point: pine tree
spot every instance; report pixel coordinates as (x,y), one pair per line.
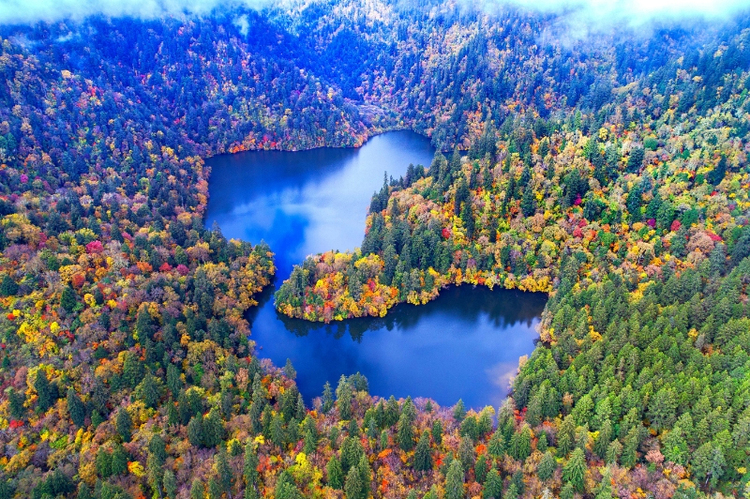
(8,287)
(432,493)
(119,464)
(437,432)
(466,453)
(547,466)
(480,468)
(68,299)
(422,455)
(365,476)
(286,488)
(214,488)
(344,398)
(493,485)
(147,391)
(213,429)
(289,370)
(250,466)
(174,383)
(197,491)
(170,484)
(43,391)
(195,431)
(103,463)
(223,472)
(158,448)
(528,202)
(496,445)
(574,471)
(405,432)
(459,411)
(277,430)
(327,398)
(335,473)
(454,481)
(76,408)
(311,442)
(124,424)
(353,485)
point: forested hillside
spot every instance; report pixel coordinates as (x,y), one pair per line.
(612,174)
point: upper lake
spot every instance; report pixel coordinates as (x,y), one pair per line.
(466,344)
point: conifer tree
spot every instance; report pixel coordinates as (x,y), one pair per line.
(454,481)
(574,470)
(76,408)
(422,455)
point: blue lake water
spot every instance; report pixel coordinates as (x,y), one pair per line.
(466,344)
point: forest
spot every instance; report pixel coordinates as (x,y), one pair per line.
(611,175)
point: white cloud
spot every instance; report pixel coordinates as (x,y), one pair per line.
(631,12)
(592,11)
(30,11)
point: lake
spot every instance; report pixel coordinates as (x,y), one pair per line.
(466,344)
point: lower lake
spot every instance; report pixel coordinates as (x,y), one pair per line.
(466,344)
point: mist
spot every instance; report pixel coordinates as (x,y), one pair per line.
(597,14)
(31,11)
(586,14)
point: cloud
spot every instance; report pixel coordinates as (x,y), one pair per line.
(628,12)
(592,12)
(31,11)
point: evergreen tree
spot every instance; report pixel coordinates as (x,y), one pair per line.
(335,473)
(574,471)
(43,391)
(496,445)
(68,300)
(213,429)
(480,468)
(528,201)
(124,424)
(76,408)
(423,455)
(547,466)
(170,484)
(250,466)
(353,485)
(365,476)
(344,398)
(224,475)
(277,431)
(327,398)
(454,481)
(8,286)
(119,464)
(405,432)
(214,488)
(459,411)
(158,448)
(437,432)
(493,485)
(16,401)
(195,431)
(289,370)
(147,391)
(466,453)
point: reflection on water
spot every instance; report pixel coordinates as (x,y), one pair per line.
(465,344)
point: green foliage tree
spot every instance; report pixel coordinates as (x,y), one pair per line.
(454,481)
(423,454)
(574,471)
(124,424)
(76,408)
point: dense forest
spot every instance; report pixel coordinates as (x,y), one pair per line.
(611,174)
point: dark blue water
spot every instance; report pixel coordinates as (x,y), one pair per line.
(466,344)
